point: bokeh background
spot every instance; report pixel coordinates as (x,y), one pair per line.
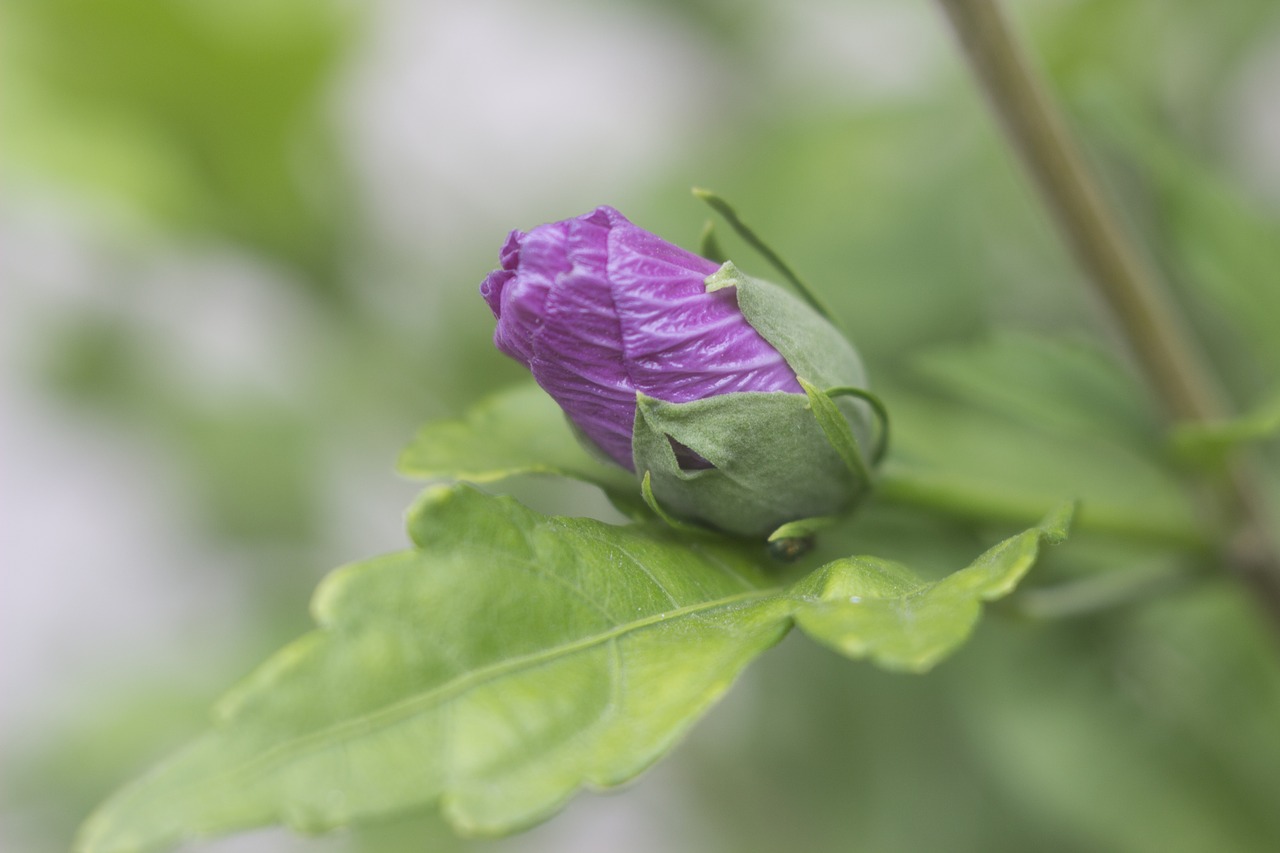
(241,242)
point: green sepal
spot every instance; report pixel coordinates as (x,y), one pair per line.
(772,462)
(836,428)
(646,492)
(811,346)
(881,412)
(709,244)
(722,207)
(793,540)
(803,528)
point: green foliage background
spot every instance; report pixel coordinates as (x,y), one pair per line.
(161,139)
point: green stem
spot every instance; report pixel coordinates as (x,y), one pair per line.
(1137,300)
(1130,289)
(901,488)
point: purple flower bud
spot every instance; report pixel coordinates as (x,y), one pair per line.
(599,310)
(738,405)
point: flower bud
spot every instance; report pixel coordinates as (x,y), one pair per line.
(685,372)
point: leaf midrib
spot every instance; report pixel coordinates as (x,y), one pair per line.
(410,706)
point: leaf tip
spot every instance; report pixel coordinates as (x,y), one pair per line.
(1055,526)
(99,834)
(432,499)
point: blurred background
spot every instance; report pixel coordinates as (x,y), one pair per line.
(241,243)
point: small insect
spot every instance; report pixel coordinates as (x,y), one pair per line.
(790,549)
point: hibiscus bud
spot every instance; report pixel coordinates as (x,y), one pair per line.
(685,372)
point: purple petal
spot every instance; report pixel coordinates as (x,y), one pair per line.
(599,309)
(681,342)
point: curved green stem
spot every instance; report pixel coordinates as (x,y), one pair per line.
(882,415)
(1138,303)
(837,430)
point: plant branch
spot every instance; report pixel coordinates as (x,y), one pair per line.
(899,487)
(1137,300)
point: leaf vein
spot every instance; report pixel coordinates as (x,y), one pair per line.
(444,693)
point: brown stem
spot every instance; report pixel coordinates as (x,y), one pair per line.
(1137,300)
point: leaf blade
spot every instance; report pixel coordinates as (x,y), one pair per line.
(866,607)
(589,658)
(517,431)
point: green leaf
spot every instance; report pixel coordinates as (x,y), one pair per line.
(866,607)
(514,658)
(1067,386)
(1015,423)
(510,660)
(1219,241)
(517,431)
(128,98)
